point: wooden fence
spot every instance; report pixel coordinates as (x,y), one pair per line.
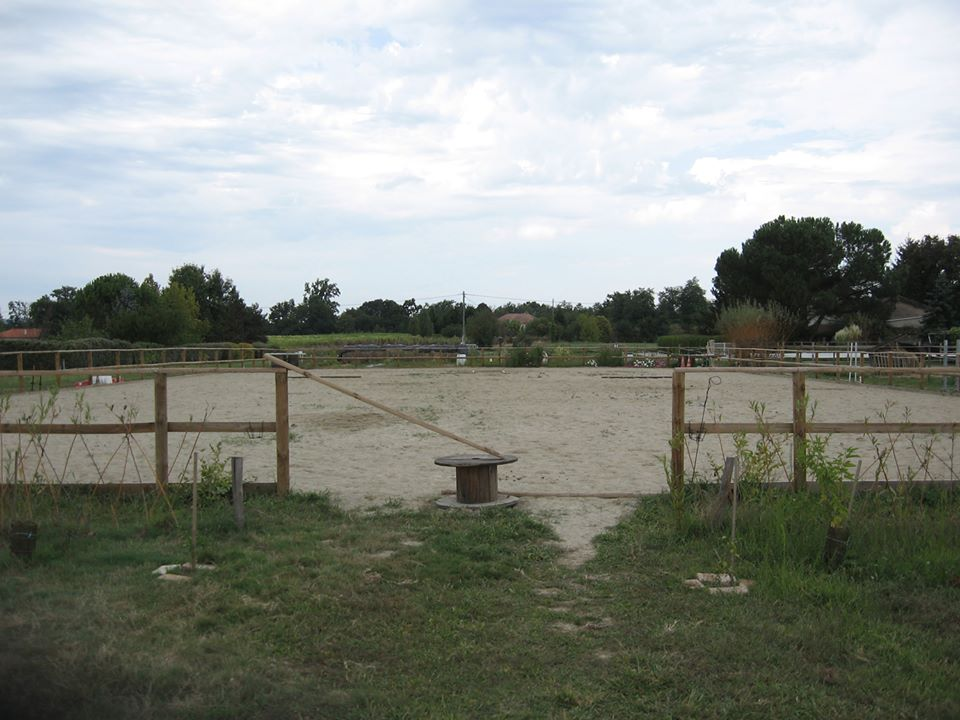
(161,425)
(800,427)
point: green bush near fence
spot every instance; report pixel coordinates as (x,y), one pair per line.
(609,357)
(525,357)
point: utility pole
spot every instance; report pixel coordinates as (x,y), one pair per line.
(553,317)
(463,319)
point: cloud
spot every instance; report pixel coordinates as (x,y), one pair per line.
(389,144)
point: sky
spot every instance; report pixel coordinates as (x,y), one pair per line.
(550,150)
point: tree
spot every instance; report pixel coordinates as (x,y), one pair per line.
(50,314)
(685,309)
(446,318)
(421,324)
(19,314)
(177,317)
(482,326)
(315,314)
(632,315)
(106,296)
(588,329)
(224,314)
(283,317)
(864,287)
(375,316)
(928,271)
(605,328)
(809,266)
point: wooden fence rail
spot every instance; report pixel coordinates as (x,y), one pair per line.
(162,426)
(800,427)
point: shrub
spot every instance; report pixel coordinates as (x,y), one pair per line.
(748,324)
(525,357)
(850,333)
(609,357)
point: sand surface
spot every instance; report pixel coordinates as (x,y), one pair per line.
(586,430)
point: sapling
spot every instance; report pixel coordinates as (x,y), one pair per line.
(831,473)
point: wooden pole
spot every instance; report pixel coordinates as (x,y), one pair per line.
(283,433)
(733,513)
(236,473)
(676,426)
(380,406)
(56,365)
(799,429)
(160,426)
(193,520)
(20,383)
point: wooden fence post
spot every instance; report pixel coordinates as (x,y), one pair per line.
(20,378)
(236,474)
(160,426)
(676,425)
(283,433)
(799,429)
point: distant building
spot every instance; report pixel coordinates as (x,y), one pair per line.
(907,315)
(20,334)
(522,319)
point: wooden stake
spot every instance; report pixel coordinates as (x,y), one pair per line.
(282,438)
(380,406)
(799,429)
(733,513)
(676,425)
(160,427)
(236,472)
(193,529)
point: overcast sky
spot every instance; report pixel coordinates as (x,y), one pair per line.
(543,150)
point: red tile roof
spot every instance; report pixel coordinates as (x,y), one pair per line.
(20,334)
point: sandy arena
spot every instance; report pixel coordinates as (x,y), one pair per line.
(579,430)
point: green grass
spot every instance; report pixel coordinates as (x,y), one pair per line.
(392,613)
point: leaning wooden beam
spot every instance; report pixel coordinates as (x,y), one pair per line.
(380,406)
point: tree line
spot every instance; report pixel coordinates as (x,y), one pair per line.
(811,271)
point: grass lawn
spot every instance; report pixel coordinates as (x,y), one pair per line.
(393,613)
